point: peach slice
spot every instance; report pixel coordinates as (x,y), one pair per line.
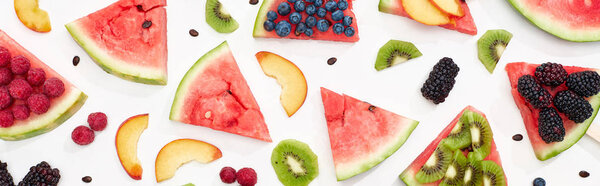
(181,151)
(290,78)
(126,141)
(32,16)
(449,6)
(425,12)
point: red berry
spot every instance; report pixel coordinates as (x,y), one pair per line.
(5,99)
(4,57)
(227,175)
(19,65)
(6,119)
(38,103)
(97,121)
(82,135)
(246,177)
(54,87)
(20,112)
(6,76)
(20,89)
(36,76)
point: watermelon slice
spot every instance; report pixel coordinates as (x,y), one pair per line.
(268,5)
(127,39)
(213,93)
(463,24)
(61,108)
(573,131)
(408,175)
(572,20)
(361,134)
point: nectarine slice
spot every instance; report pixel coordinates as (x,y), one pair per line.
(449,6)
(126,142)
(30,14)
(181,151)
(425,12)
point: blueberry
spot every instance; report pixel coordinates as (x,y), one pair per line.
(283,28)
(269,25)
(318,3)
(321,12)
(331,6)
(308,32)
(338,28)
(311,21)
(300,28)
(310,1)
(292,1)
(338,15)
(349,32)
(323,25)
(295,18)
(271,15)
(299,6)
(342,4)
(311,9)
(539,182)
(347,20)
(284,9)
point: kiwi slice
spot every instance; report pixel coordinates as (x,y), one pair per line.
(218,18)
(491,46)
(481,135)
(456,170)
(472,176)
(294,163)
(435,167)
(395,52)
(460,136)
(492,174)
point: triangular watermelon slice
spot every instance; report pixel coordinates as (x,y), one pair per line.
(127,39)
(573,131)
(213,93)
(361,134)
(463,24)
(408,176)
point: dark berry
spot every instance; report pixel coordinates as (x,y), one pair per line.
(349,32)
(440,81)
(246,177)
(271,15)
(5,57)
(585,83)
(331,6)
(338,28)
(227,175)
(269,26)
(309,32)
(295,18)
(41,174)
(318,3)
(20,89)
(36,77)
(19,65)
(299,6)
(292,1)
(300,28)
(321,12)
(6,76)
(533,92)
(283,28)
(5,98)
(5,177)
(323,25)
(539,182)
(311,10)
(20,112)
(575,107)
(338,15)
(6,118)
(342,4)
(97,121)
(551,74)
(82,135)
(284,9)
(347,21)
(311,21)
(38,103)
(54,87)
(550,125)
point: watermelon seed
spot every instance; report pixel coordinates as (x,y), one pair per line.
(371,108)
(75,60)
(229,91)
(253,2)
(517,137)
(86,179)
(584,174)
(331,61)
(207,114)
(193,33)
(139,8)
(147,24)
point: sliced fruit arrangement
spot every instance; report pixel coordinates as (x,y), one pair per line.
(442,13)
(218,18)
(331,20)
(570,20)
(361,135)
(213,93)
(289,76)
(491,46)
(127,39)
(30,14)
(181,151)
(126,142)
(441,80)
(295,163)
(395,52)
(35,99)
(443,162)
(558,103)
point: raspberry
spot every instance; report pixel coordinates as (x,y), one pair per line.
(440,81)
(36,77)
(97,121)
(550,125)
(5,99)
(227,175)
(41,174)
(38,103)
(20,89)
(551,74)
(53,87)
(6,119)
(4,57)
(19,65)
(20,112)
(82,135)
(533,92)
(584,83)
(6,76)
(246,177)
(575,107)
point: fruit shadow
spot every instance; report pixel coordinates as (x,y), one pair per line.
(9,146)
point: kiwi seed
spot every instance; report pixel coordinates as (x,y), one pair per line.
(435,167)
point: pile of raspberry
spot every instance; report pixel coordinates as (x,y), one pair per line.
(24,89)
(245,176)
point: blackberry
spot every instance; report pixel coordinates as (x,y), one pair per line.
(41,174)
(533,92)
(440,81)
(550,125)
(575,107)
(551,74)
(584,83)
(5,177)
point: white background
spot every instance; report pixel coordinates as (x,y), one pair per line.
(395,89)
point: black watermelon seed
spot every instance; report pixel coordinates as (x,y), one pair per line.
(86,179)
(229,91)
(147,24)
(253,2)
(517,137)
(75,60)
(331,61)
(371,108)
(139,8)
(584,174)
(193,33)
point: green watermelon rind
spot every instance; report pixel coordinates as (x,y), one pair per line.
(554,27)
(114,66)
(259,30)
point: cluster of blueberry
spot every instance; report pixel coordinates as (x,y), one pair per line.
(311,7)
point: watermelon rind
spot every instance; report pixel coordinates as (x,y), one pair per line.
(555,27)
(259,30)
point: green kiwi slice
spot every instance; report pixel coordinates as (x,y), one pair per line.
(435,167)
(460,136)
(395,52)
(481,135)
(218,18)
(456,170)
(472,176)
(491,46)
(294,163)
(492,174)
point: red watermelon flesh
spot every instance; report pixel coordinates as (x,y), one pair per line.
(268,5)
(408,175)
(573,131)
(361,134)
